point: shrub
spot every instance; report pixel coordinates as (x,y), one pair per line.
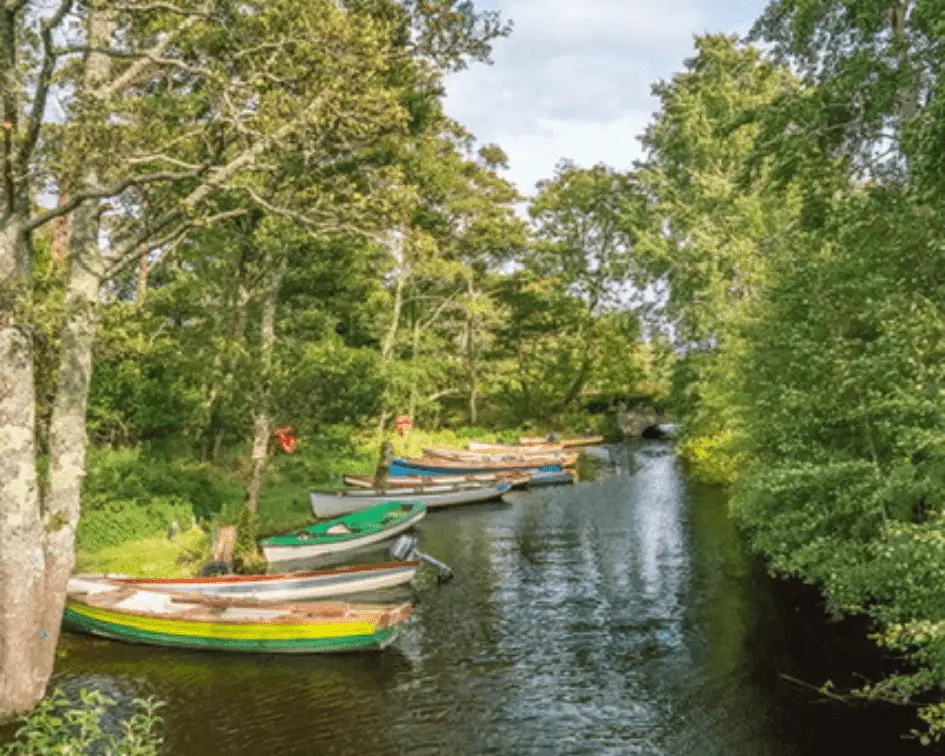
(69,728)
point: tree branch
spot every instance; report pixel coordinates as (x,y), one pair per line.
(35,121)
(103,192)
(131,249)
(159,6)
(162,158)
(142,64)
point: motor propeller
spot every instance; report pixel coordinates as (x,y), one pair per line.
(405,549)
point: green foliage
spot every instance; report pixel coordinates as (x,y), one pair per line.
(798,227)
(83,728)
(131,494)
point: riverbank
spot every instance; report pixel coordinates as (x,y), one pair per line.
(134,494)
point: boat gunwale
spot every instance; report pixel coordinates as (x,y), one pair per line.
(286,576)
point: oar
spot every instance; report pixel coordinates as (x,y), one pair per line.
(405,549)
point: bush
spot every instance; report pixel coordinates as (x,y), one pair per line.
(131,494)
(69,728)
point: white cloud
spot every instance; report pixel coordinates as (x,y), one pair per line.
(573,80)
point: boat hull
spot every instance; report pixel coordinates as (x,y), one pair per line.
(327,505)
(300,586)
(117,611)
(551,478)
(565,459)
(567,442)
(426,480)
(532,450)
(302,550)
(289,639)
(448,467)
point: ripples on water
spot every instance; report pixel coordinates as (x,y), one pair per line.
(615,617)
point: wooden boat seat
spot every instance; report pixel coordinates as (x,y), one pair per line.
(339,529)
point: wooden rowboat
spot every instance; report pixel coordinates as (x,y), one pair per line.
(433,464)
(482,446)
(566,442)
(181,620)
(291,586)
(335,503)
(565,459)
(348,533)
(432,480)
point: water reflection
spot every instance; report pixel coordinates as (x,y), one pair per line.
(615,617)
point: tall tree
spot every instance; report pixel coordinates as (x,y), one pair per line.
(168,105)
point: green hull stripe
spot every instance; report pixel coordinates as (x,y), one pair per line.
(75,621)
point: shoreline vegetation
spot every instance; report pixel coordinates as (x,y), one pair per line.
(125,482)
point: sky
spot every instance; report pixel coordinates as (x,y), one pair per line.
(573,79)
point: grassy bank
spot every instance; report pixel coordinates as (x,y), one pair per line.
(132,495)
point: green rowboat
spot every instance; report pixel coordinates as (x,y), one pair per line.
(179,620)
(353,531)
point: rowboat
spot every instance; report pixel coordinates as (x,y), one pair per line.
(566,442)
(292,586)
(432,464)
(482,446)
(428,480)
(181,620)
(550,478)
(353,531)
(334,503)
(565,459)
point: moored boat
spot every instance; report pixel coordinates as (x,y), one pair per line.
(335,503)
(551,478)
(435,465)
(424,481)
(565,442)
(565,459)
(482,446)
(291,586)
(353,531)
(182,620)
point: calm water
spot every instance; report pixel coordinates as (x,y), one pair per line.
(615,617)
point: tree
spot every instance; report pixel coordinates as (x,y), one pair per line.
(167,106)
(586,222)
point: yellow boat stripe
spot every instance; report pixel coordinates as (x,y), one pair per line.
(233,630)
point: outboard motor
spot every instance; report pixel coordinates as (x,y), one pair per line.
(405,549)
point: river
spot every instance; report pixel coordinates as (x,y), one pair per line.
(621,616)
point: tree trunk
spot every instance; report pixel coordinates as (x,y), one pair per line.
(471,359)
(397,252)
(218,422)
(143,269)
(387,350)
(415,350)
(67,428)
(910,90)
(261,424)
(24,642)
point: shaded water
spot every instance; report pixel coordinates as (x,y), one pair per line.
(616,617)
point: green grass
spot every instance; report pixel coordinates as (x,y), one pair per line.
(150,557)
